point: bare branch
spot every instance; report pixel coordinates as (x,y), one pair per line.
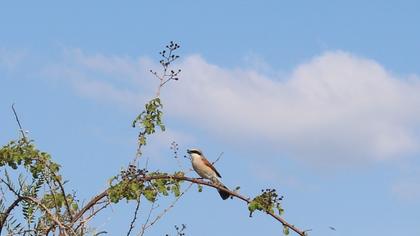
(218,158)
(168,208)
(143,227)
(7,212)
(89,205)
(134,218)
(7,182)
(63,192)
(17,120)
(84,221)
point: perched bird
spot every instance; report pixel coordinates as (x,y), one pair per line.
(206,170)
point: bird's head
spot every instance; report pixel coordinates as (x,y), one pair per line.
(194,152)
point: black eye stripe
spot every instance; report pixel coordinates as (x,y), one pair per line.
(195,151)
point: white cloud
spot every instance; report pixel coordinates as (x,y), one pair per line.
(334,109)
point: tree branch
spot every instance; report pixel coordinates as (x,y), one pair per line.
(63,192)
(192,180)
(134,218)
(7,212)
(84,221)
(53,218)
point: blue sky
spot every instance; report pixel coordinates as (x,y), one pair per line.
(319,100)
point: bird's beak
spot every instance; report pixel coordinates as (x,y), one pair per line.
(188,151)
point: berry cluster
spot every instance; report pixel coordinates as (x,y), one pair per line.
(269,199)
(132,172)
(175,149)
(179,230)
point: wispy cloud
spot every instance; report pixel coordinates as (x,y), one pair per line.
(110,79)
(9,59)
(334,109)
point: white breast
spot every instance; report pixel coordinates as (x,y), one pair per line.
(201,169)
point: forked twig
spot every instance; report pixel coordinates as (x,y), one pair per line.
(218,158)
(158,217)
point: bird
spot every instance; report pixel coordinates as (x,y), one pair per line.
(206,170)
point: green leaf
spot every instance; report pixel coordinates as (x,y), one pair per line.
(150,194)
(142,140)
(175,189)
(74,206)
(162,127)
(253,206)
(279,208)
(286,230)
(160,184)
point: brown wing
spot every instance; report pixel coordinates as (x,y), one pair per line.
(207,163)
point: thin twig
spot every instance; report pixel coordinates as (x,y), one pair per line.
(64,194)
(84,221)
(143,227)
(94,201)
(165,77)
(134,218)
(220,155)
(146,165)
(17,120)
(138,151)
(52,190)
(7,212)
(158,217)
(9,186)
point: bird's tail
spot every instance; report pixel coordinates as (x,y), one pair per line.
(223,194)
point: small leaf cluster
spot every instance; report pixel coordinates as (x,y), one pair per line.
(267,201)
(131,185)
(57,201)
(23,152)
(149,119)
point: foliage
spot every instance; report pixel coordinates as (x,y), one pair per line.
(151,116)
(23,152)
(43,193)
(267,201)
(130,185)
(149,119)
